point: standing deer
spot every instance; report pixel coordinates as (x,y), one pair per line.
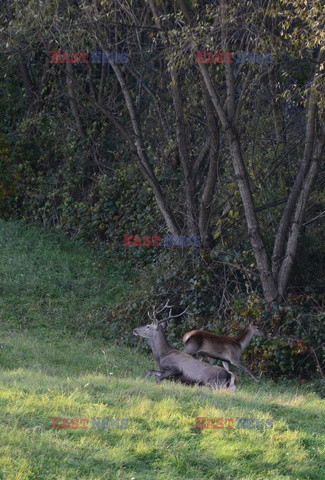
(228,349)
(178,365)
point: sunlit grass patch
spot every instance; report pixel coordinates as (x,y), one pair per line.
(47,370)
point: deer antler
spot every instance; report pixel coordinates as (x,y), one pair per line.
(173,316)
(153,317)
(156,312)
(160,309)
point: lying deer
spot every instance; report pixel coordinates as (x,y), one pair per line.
(178,365)
(228,349)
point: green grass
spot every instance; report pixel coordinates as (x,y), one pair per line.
(50,282)
(47,284)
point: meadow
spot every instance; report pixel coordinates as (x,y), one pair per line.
(51,368)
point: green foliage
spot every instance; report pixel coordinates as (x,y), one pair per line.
(8,179)
(294,346)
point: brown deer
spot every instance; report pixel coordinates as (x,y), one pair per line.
(228,349)
(178,365)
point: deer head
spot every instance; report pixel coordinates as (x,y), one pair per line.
(256,330)
(150,330)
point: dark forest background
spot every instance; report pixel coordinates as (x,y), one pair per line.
(232,152)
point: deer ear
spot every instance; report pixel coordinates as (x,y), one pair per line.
(162,325)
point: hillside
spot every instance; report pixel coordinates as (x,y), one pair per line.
(49,371)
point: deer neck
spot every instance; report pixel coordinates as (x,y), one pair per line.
(160,346)
(244,338)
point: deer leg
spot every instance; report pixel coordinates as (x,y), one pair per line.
(152,372)
(239,365)
(199,356)
(225,366)
(190,349)
(202,356)
(168,373)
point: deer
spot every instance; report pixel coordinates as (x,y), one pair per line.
(228,349)
(178,365)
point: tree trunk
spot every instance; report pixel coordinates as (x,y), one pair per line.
(262,260)
(298,217)
(144,161)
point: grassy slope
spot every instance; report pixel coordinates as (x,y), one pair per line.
(48,282)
